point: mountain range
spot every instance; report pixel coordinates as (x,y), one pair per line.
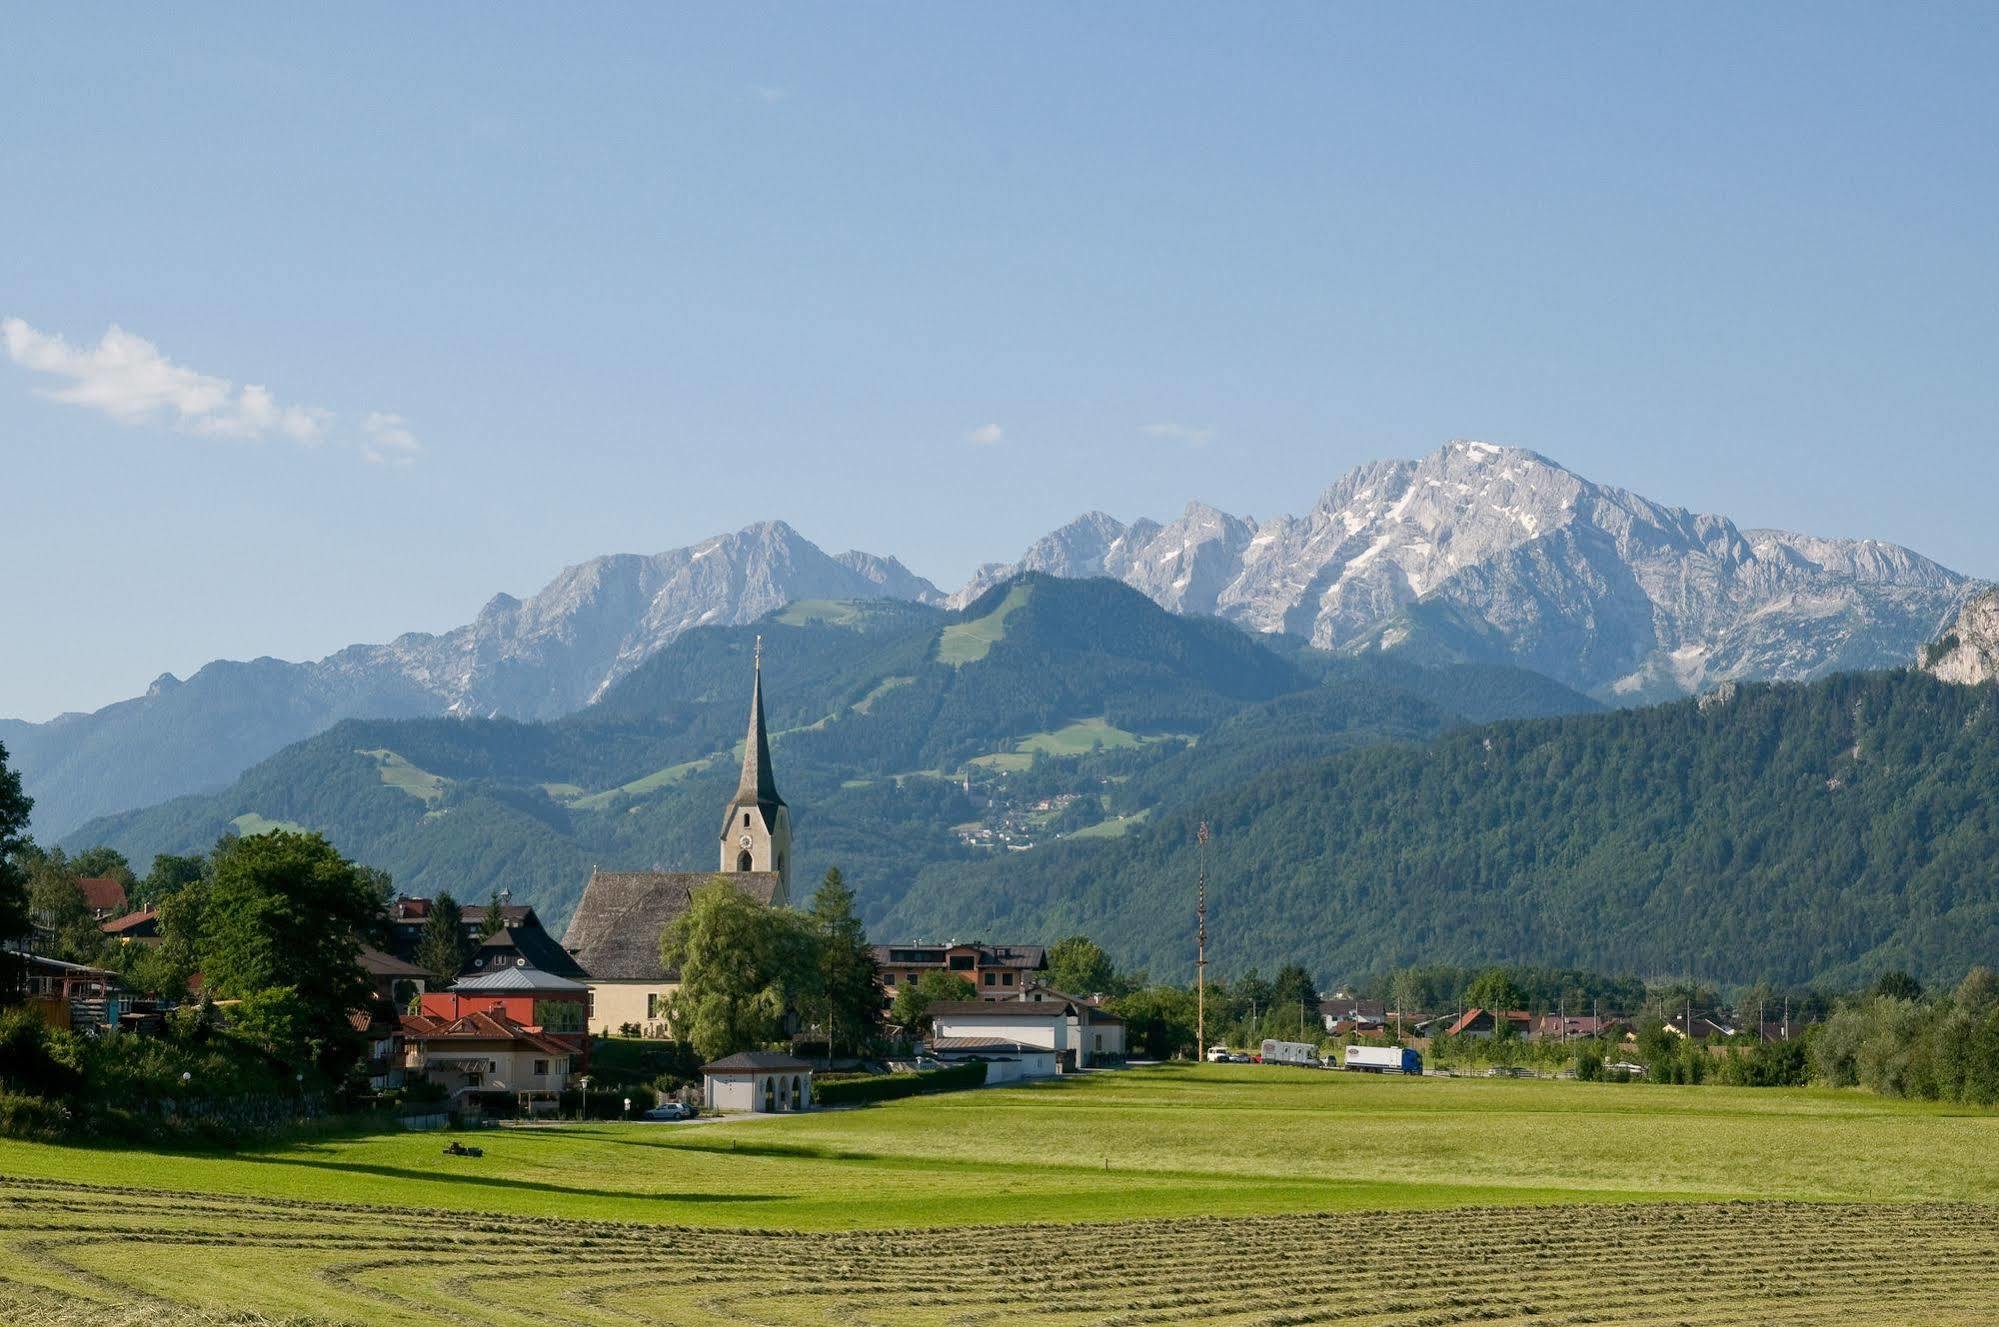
(1475,553)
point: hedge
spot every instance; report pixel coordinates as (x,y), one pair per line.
(889,1087)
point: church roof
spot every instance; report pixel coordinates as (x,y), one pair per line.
(615,932)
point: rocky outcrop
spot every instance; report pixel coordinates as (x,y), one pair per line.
(1967,653)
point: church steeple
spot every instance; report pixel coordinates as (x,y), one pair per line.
(758,784)
(756,828)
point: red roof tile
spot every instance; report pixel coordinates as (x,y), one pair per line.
(102,894)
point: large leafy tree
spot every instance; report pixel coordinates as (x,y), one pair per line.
(742,968)
(285,911)
(169,875)
(1160,1021)
(443,949)
(63,923)
(1079,966)
(14,808)
(912,1003)
(850,988)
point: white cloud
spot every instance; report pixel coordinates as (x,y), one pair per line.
(986,435)
(769,96)
(1193,437)
(389,440)
(127,378)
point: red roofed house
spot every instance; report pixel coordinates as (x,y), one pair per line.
(482,1053)
(104,897)
(1483,1022)
(134,928)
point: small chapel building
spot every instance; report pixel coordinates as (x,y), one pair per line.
(614,934)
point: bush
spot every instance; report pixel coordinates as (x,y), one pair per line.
(890,1087)
(33,1118)
(36,1060)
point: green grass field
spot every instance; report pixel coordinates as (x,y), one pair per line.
(1198,1176)
(968,642)
(250,824)
(397,772)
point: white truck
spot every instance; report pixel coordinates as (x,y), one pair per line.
(1382,1060)
(1290,1052)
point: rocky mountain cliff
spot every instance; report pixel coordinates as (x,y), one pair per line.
(1496,553)
(536,658)
(1968,653)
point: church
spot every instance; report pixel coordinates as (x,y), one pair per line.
(615,932)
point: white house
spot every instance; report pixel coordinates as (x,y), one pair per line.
(763,1081)
(1006,1061)
(1045,1024)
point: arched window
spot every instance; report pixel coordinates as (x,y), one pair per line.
(797,1094)
(770,1096)
(743,860)
(746,820)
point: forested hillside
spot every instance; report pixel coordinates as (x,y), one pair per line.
(1082,695)
(1793,831)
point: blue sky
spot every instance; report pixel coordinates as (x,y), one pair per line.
(522,287)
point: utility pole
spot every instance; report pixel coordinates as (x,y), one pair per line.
(1201,948)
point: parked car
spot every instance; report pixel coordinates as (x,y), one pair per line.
(1219,1055)
(670,1110)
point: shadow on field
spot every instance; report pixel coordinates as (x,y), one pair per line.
(500,1182)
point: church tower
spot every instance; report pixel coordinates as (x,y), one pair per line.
(756,830)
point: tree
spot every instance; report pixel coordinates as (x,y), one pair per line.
(742,968)
(912,1003)
(495,920)
(850,987)
(442,950)
(104,861)
(64,926)
(1496,990)
(14,808)
(1079,966)
(1159,1022)
(169,875)
(286,910)
(1897,986)
(1295,992)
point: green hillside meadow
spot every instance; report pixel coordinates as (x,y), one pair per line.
(1219,1194)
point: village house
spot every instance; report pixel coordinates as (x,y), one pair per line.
(104,896)
(484,1053)
(1006,1061)
(408,918)
(1483,1023)
(615,933)
(766,1082)
(1078,1034)
(997,972)
(74,995)
(543,1003)
(134,928)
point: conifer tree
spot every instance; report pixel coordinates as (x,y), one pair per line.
(442,951)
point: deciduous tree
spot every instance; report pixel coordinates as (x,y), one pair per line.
(1079,966)
(742,968)
(286,910)
(912,1003)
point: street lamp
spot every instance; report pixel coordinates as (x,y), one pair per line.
(583,1102)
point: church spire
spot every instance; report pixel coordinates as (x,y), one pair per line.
(758,785)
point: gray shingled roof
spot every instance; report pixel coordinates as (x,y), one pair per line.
(615,932)
(515,979)
(743,1062)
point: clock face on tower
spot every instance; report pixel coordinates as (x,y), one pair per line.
(746,841)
